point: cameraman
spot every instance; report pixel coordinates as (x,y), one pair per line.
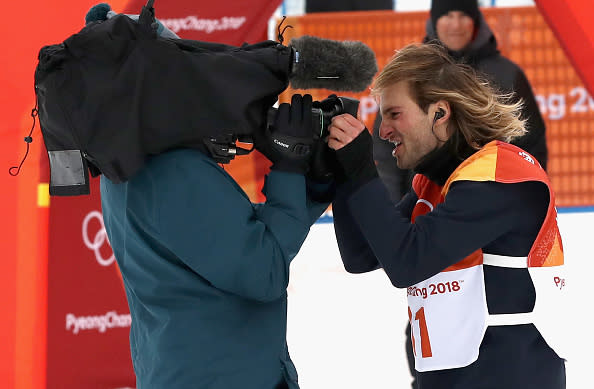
(205,270)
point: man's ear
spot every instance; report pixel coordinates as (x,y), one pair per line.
(439,114)
(442,111)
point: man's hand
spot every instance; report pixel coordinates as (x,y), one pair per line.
(343,129)
(354,149)
(288,143)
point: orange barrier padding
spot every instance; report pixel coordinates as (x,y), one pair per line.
(525,38)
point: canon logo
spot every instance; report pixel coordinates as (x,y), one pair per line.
(96,242)
(278,142)
(193,23)
(100,323)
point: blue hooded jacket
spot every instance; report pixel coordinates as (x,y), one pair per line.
(206,271)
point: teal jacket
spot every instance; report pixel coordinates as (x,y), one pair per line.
(206,271)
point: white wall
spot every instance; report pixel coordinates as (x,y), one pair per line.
(347,331)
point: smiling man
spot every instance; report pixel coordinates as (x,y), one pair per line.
(403,123)
(471,240)
(460,27)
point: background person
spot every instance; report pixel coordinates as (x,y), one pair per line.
(467,239)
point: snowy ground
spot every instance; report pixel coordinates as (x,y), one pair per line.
(347,331)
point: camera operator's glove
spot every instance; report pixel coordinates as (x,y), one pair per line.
(356,160)
(288,143)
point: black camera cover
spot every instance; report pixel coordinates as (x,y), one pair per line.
(115,93)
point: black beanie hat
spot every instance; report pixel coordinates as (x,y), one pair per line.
(442,7)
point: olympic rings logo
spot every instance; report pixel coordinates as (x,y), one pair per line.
(98,240)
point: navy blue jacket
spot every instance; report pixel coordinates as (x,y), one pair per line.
(206,271)
(501,219)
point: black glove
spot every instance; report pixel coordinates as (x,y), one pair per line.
(288,143)
(323,159)
(356,160)
(321,184)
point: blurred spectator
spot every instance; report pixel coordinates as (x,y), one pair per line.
(460,26)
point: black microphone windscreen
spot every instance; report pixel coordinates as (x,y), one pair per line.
(335,65)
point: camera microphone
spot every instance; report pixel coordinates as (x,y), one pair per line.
(347,66)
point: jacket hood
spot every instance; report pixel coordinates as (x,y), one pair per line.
(483,45)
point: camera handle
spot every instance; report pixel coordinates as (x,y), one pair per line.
(323,161)
(223,148)
(350,105)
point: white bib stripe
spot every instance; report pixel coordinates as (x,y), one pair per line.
(505,261)
(510,319)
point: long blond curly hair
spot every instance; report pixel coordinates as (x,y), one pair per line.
(478,111)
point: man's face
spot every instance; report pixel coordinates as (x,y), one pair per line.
(455,30)
(406,125)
